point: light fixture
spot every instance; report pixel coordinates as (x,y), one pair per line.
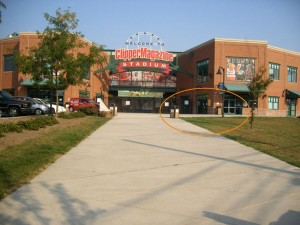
(222,85)
(219,70)
(284,92)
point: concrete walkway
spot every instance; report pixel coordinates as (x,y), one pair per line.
(135,170)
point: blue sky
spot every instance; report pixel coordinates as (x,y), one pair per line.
(181,24)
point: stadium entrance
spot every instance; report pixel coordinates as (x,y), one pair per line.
(141,75)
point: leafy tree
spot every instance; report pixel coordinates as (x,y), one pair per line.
(257,87)
(58,58)
(2,5)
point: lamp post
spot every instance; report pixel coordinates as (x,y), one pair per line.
(222,86)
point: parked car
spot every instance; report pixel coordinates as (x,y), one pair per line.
(13,107)
(53,110)
(37,108)
(81,102)
(60,108)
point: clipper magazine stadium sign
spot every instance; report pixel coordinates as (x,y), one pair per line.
(144,50)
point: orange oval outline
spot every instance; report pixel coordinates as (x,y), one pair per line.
(190,132)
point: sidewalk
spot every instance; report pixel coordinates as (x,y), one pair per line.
(135,170)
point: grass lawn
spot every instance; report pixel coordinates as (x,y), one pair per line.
(20,163)
(279,137)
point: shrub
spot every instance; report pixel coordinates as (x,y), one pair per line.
(40,122)
(72,115)
(33,124)
(88,110)
(10,127)
(28,125)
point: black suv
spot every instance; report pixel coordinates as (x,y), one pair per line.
(13,107)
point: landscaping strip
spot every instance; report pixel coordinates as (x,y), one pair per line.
(20,163)
(278,137)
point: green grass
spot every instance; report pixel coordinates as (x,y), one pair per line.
(20,163)
(279,137)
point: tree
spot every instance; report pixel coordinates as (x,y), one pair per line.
(2,5)
(257,87)
(58,58)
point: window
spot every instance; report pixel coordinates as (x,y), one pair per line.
(9,63)
(273,103)
(292,74)
(202,71)
(274,71)
(86,71)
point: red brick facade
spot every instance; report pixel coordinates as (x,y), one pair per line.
(218,52)
(12,80)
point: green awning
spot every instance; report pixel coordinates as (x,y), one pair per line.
(237,88)
(30,82)
(293,94)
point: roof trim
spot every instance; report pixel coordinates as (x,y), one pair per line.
(283,50)
(9,38)
(231,40)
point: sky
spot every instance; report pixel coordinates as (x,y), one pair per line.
(181,24)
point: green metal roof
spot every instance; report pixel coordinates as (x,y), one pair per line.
(237,88)
(30,82)
(293,93)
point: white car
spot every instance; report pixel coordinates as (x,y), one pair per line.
(60,108)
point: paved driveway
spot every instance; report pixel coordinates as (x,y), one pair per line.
(135,170)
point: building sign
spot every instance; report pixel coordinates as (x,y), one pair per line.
(140,64)
(143,53)
(142,39)
(143,63)
(240,69)
(145,94)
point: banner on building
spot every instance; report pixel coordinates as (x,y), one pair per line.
(141,94)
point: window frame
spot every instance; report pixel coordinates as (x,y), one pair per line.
(202,68)
(271,66)
(9,64)
(273,103)
(292,74)
(87,71)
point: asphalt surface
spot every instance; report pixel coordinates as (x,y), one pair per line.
(136,170)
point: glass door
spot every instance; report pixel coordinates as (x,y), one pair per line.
(291,107)
(233,105)
(229,106)
(202,104)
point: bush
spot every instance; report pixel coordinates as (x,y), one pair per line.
(88,110)
(33,124)
(10,127)
(72,115)
(40,122)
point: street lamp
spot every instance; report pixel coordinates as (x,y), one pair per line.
(222,86)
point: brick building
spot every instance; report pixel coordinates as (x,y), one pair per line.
(18,84)
(143,89)
(238,60)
